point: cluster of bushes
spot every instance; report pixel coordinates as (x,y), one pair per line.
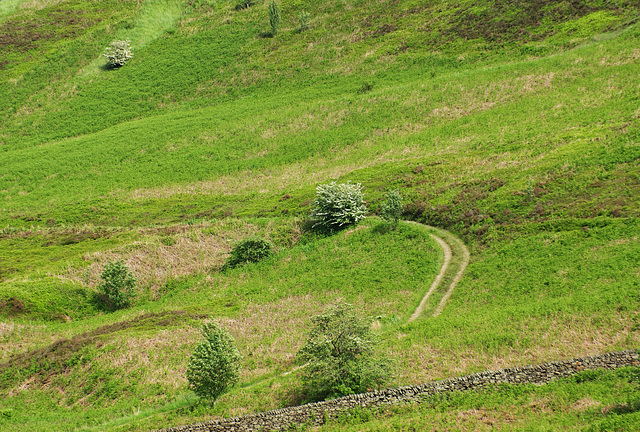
(340,357)
(340,354)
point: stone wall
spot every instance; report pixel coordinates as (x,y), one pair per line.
(316,413)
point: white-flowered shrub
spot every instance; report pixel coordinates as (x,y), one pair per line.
(338,205)
(118,53)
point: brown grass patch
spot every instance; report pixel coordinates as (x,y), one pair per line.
(171,252)
(270,335)
(483,417)
(585,404)
(57,358)
(16,339)
(290,177)
(38,4)
(158,358)
(559,339)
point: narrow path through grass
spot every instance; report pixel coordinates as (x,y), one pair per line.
(436,282)
(454,251)
(463,253)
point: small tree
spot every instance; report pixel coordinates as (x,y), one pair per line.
(338,205)
(392,209)
(274,17)
(118,53)
(214,365)
(303,20)
(117,288)
(340,356)
(248,251)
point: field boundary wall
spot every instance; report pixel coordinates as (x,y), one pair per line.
(317,413)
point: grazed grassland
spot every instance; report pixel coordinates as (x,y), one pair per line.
(513,125)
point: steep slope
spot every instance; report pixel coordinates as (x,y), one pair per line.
(513,125)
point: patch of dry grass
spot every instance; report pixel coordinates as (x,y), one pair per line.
(17,338)
(548,340)
(180,250)
(38,4)
(156,358)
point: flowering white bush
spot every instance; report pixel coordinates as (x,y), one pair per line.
(118,53)
(338,205)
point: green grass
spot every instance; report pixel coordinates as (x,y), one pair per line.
(512,125)
(180,149)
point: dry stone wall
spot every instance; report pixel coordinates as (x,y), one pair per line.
(317,413)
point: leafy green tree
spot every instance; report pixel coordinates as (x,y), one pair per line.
(337,206)
(214,365)
(341,356)
(117,288)
(392,209)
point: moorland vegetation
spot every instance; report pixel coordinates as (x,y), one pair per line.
(511,125)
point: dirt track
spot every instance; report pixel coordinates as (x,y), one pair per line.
(456,255)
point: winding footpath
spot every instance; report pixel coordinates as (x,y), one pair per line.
(456,255)
(456,258)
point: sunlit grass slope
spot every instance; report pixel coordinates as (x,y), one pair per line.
(513,125)
(507,115)
(138,357)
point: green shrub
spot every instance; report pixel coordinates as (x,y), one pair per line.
(118,53)
(274,17)
(337,206)
(214,365)
(340,356)
(117,288)
(303,20)
(392,209)
(249,250)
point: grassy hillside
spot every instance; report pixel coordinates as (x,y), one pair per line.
(514,125)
